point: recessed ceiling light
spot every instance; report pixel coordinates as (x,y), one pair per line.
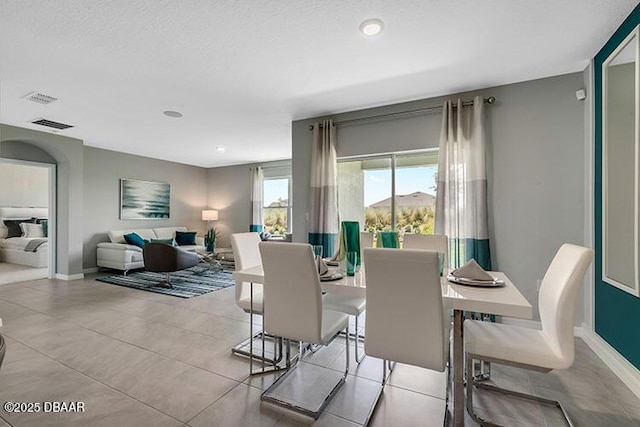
(371,27)
(173,114)
(220,149)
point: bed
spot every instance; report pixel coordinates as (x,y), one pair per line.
(31,248)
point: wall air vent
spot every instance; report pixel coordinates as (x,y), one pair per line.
(40,98)
(51,124)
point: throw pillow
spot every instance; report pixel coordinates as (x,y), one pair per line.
(45,226)
(185,238)
(13,226)
(32,230)
(134,239)
(170,242)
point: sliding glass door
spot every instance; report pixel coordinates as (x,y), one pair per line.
(389,192)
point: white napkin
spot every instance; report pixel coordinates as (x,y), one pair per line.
(472,271)
(322,266)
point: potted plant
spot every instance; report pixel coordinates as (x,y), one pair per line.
(210,239)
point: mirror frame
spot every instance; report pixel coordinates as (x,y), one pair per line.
(633,288)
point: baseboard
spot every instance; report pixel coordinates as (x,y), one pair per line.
(620,366)
(90,270)
(69,277)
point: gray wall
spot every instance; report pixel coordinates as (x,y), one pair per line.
(23,185)
(25,144)
(535,164)
(101,212)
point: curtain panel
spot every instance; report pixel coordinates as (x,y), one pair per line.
(461,198)
(256,200)
(323,214)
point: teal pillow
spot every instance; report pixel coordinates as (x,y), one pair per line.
(45,226)
(185,238)
(134,239)
(170,242)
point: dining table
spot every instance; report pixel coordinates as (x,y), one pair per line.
(504,300)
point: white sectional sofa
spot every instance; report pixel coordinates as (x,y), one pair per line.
(118,255)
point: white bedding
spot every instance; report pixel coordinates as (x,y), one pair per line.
(19,243)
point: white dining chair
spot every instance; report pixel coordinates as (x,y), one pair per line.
(353,306)
(293,309)
(246,254)
(544,350)
(406,320)
(366,239)
(430,242)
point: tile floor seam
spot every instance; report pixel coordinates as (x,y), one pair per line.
(137,346)
(218,399)
(97,381)
(174,305)
(151,351)
(142,298)
(129,343)
(409,390)
(137,317)
(177,327)
(6,421)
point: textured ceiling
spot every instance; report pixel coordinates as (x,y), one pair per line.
(241,70)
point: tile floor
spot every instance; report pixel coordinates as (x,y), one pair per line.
(141,359)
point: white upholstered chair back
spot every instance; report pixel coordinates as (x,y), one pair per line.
(246,254)
(366,239)
(430,242)
(557,298)
(292,293)
(405,315)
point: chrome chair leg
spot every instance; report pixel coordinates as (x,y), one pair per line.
(472,383)
(356,336)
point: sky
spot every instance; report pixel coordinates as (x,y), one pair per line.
(377,184)
(275,189)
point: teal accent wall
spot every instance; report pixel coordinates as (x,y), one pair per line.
(616,311)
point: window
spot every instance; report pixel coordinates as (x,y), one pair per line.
(389,192)
(276,211)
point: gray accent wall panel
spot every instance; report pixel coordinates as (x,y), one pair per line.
(535,167)
(103,170)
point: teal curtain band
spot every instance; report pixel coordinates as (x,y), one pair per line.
(462,250)
(479,250)
(326,240)
(256,228)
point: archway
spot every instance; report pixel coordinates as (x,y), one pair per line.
(67,153)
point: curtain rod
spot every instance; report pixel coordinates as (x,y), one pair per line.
(489,100)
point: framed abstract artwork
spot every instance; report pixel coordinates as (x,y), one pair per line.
(144,199)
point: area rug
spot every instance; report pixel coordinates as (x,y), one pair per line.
(188,283)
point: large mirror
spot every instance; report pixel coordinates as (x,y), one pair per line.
(620,166)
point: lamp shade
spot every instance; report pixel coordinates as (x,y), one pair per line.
(210,215)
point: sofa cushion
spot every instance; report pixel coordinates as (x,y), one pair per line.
(184,238)
(117,236)
(135,239)
(171,242)
(167,232)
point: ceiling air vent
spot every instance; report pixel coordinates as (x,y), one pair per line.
(51,124)
(40,98)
